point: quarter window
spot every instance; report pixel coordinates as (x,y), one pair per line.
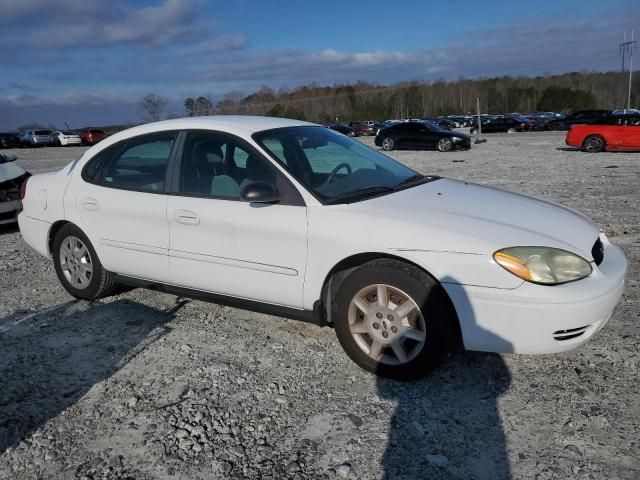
(140,164)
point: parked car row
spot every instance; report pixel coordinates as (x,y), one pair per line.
(45,137)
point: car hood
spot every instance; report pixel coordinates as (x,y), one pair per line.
(9,171)
(457,216)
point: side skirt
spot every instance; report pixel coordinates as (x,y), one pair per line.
(308,316)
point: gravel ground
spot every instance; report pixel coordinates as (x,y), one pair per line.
(146,385)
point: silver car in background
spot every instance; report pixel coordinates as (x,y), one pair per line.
(35,138)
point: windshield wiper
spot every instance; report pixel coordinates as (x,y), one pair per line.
(418,177)
(360,194)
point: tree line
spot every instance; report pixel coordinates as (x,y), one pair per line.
(365,100)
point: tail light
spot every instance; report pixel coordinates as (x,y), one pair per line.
(523,125)
(23,188)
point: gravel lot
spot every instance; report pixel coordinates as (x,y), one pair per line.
(147,385)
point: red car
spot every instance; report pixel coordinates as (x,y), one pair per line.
(91,136)
(615,133)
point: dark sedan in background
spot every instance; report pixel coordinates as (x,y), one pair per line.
(343,129)
(362,128)
(10,140)
(588,117)
(421,135)
(500,125)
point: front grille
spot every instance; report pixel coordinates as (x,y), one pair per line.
(562,335)
(598,252)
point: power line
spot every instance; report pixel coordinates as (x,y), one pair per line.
(627,48)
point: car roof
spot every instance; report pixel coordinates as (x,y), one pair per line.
(235,124)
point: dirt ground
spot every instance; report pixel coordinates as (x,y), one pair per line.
(146,385)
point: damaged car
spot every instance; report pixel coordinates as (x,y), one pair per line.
(12,177)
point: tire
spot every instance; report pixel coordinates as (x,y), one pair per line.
(422,345)
(444,145)
(388,144)
(593,144)
(70,243)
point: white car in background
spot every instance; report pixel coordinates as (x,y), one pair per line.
(64,138)
(293,219)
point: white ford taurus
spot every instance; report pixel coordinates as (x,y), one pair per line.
(289,218)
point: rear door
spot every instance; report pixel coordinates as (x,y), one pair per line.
(222,244)
(122,205)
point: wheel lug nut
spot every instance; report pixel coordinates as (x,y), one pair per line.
(394,329)
(385,334)
(379,316)
(376,326)
(390,317)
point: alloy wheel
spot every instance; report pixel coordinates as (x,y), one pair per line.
(387,324)
(387,143)
(593,144)
(445,145)
(75,262)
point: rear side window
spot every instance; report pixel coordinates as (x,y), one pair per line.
(140,164)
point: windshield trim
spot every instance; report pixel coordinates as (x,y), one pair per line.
(257,138)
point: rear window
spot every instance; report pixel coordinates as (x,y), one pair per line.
(96,131)
(42,132)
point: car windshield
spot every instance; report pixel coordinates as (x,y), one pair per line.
(336,168)
(68,132)
(434,127)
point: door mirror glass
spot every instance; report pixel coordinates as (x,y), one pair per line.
(260,192)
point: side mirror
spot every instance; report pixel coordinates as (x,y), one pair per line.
(260,192)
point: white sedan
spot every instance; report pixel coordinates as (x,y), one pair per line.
(64,138)
(289,218)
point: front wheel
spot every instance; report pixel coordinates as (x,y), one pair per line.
(444,145)
(388,144)
(78,267)
(593,144)
(391,319)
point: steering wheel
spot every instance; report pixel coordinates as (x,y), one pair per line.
(336,170)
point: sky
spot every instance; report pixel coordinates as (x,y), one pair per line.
(90,62)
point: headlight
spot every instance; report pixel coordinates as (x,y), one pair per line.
(544,265)
(456,139)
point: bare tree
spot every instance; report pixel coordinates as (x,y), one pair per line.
(152,107)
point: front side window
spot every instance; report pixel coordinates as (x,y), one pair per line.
(334,167)
(140,164)
(218,165)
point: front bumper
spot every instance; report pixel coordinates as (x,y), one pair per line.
(540,319)
(9,211)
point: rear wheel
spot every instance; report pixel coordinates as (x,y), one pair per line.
(444,145)
(391,319)
(388,144)
(78,267)
(593,144)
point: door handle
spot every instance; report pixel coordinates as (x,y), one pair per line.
(90,204)
(186,217)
